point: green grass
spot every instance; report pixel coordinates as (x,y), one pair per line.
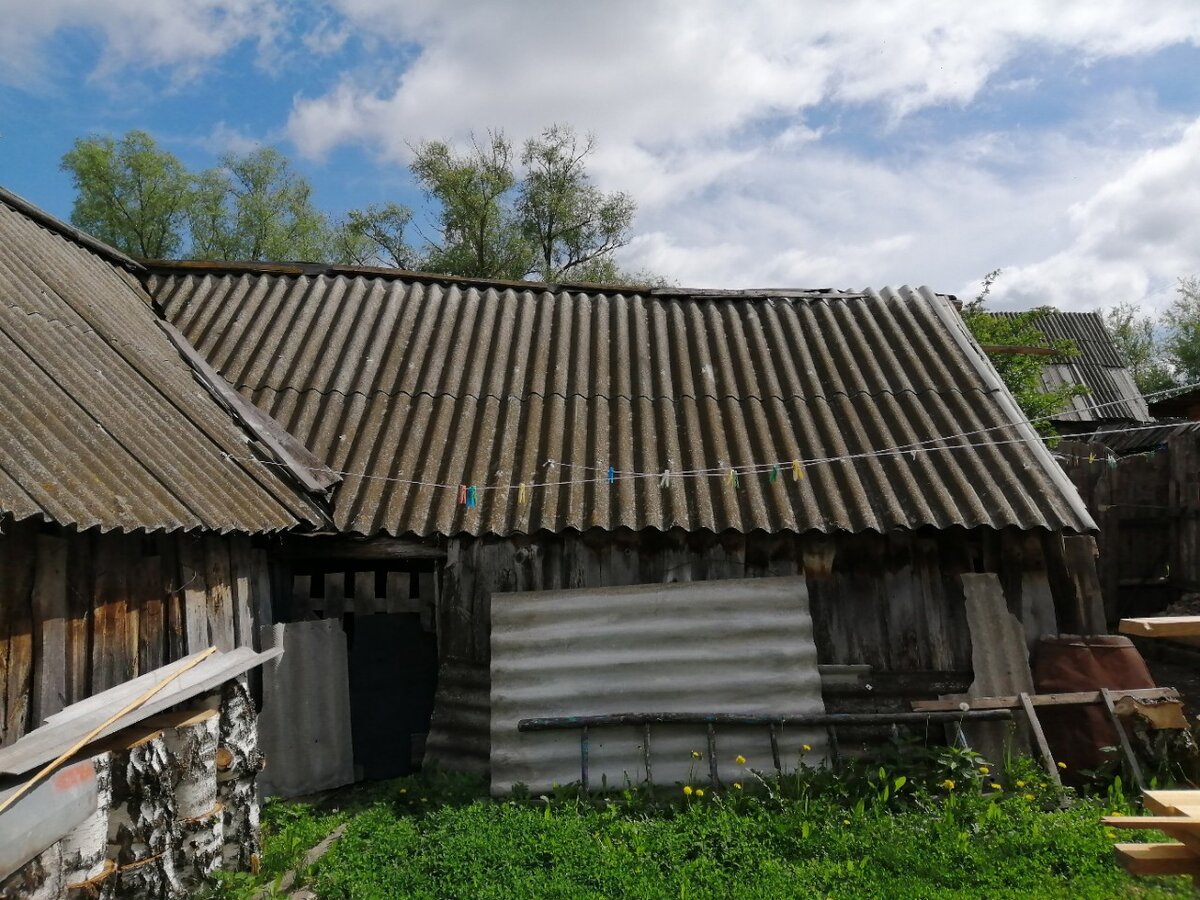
(864,833)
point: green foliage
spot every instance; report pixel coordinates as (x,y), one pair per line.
(1134,336)
(1021,373)
(1182,319)
(480,233)
(573,226)
(129,193)
(254,207)
(374,236)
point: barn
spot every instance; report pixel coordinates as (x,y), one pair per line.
(512,453)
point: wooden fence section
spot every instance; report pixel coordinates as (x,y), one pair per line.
(82,612)
(1148,510)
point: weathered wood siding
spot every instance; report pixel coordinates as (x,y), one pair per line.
(80,613)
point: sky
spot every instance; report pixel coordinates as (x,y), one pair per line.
(767,144)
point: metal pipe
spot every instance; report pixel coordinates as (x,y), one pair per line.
(561,723)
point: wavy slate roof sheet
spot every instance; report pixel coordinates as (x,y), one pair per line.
(101,421)
(404,378)
(1098,367)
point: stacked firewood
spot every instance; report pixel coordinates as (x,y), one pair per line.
(177,800)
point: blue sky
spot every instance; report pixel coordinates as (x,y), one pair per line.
(799,145)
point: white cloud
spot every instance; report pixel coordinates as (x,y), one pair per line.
(182,36)
(1129,240)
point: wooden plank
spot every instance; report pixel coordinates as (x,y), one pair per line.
(427,593)
(146,591)
(220,592)
(364,593)
(174,615)
(195,594)
(50,627)
(1172,803)
(1162,626)
(301,598)
(241,565)
(335,595)
(16,587)
(1039,738)
(1135,770)
(1188,823)
(79,615)
(261,586)
(396,599)
(1157,859)
(112,661)
(1080,698)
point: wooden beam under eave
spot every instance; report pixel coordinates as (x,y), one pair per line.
(376,548)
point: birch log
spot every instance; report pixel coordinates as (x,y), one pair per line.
(142,826)
(39,879)
(191,742)
(87,871)
(239,762)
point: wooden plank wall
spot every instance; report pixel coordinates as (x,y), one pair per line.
(891,601)
(80,613)
(1148,509)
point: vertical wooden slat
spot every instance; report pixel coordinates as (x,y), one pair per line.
(50,627)
(16,587)
(335,595)
(242,578)
(427,592)
(112,661)
(364,593)
(396,596)
(195,594)
(146,590)
(175,624)
(79,617)
(301,598)
(220,592)
(260,584)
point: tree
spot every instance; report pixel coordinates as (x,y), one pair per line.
(1021,373)
(254,207)
(374,236)
(1135,339)
(574,226)
(1182,320)
(481,235)
(130,194)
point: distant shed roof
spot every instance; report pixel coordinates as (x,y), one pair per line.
(1098,367)
(416,384)
(101,421)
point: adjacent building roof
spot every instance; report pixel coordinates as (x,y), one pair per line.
(102,423)
(415,385)
(1112,393)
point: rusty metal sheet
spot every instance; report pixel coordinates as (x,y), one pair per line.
(102,423)
(418,384)
(735,646)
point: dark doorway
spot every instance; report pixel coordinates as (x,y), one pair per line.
(393,668)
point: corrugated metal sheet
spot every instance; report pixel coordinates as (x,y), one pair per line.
(460,730)
(741,645)
(101,421)
(1098,367)
(448,383)
(304,725)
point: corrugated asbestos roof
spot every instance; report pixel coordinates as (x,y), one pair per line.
(101,421)
(446,382)
(1098,367)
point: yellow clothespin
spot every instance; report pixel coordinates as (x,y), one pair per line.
(522,494)
(797,470)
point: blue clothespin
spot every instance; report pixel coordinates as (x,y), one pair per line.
(612,475)
(472,497)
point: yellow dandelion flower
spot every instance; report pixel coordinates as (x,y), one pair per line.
(1115,813)
(696,754)
(740,760)
(845,821)
(404,790)
(984,770)
(737,785)
(807,748)
(1020,784)
(687,789)
(699,792)
(1062,765)
(948,784)
(1029,796)
(995,787)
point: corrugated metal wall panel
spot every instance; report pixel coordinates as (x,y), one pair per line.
(417,385)
(731,646)
(102,423)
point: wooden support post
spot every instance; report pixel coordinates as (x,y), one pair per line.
(646,752)
(1040,738)
(50,615)
(1135,771)
(583,756)
(712,755)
